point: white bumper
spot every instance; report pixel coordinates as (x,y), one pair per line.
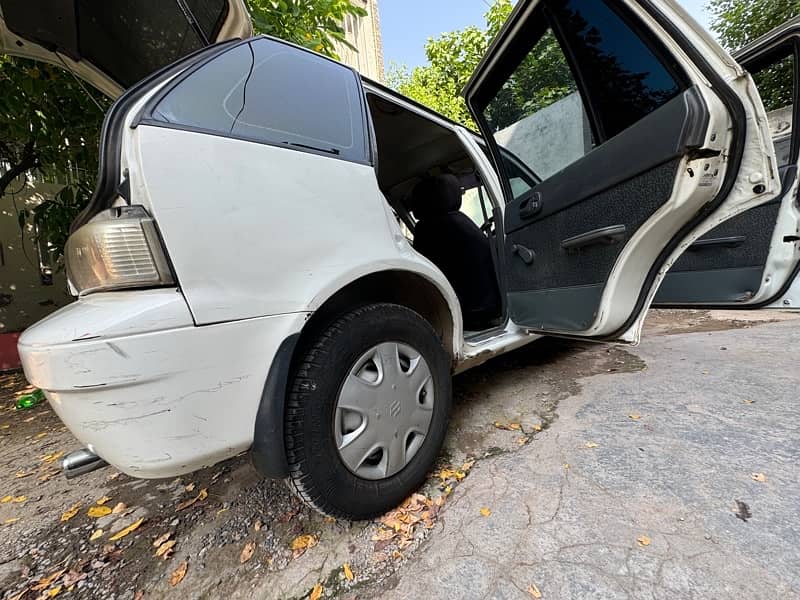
(132,377)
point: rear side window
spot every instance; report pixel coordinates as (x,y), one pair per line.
(268,92)
(775,79)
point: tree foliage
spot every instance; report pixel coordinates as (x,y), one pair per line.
(314,24)
(738,22)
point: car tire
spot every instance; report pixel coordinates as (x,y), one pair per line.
(321,414)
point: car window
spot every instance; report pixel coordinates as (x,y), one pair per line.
(776,86)
(540,113)
(269,92)
(156,33)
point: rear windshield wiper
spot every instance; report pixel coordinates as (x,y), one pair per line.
(333,151)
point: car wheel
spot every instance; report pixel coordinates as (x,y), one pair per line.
(367,411)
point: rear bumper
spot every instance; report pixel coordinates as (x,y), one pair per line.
(134,379)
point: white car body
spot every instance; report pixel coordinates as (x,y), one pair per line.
(161,382)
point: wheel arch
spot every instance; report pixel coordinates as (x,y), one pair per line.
(411,289)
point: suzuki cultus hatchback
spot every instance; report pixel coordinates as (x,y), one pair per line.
(286,258)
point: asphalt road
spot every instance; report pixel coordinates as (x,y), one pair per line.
(571,471)
(634,491)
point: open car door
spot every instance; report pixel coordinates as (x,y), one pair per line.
(112,44)
(645,135)
(752,260)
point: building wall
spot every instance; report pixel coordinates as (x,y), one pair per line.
(365,34)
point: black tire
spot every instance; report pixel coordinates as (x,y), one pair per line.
(318,475)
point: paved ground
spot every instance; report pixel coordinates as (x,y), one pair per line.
(603,472)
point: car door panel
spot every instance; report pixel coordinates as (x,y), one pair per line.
(666,142)
(758,268)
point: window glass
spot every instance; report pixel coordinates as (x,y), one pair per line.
(544,118)
(775,83)
(130,39)
(268,92)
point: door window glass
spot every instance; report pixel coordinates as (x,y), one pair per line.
(269,92)
(775,84)
(541,115)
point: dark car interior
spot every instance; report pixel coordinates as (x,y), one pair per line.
(435,191)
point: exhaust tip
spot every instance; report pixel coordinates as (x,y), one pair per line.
(81,462)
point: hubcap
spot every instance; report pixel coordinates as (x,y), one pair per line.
(384,410)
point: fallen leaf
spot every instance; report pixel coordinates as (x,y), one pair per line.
(759,477)
(99,511)
(71,512)
(10,521)
(485,511)
(102,500)
(202,495)
(591,445)
(161,539)
(304,542)
(131,528)
(567,466)
(643,540)
(247,552)
(40,435)
(20,499)
(258,525)
(508,427)
(330,520)
(178,574)
(521,441)
(21,474)
(98,533)
(165,549)
(635,416)
(189,488)
(46,581)
(5,499)
(534,591)
(749,401)
(446,474)
(537,428)
(348,574)
(48,458)
(222,510)
(115,475)
(316,592)
(49,475)
(119,507)
(53,592)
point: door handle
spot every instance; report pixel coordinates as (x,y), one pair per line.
(605,235)
(531,206)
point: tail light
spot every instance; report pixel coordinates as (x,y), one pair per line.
(119,248)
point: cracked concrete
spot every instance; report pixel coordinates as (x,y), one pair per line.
(714,408)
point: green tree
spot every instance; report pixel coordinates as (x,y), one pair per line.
(738,22)
(314,24)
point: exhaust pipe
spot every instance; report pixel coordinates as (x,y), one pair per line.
(81,462)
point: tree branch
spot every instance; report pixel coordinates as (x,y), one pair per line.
(28,161)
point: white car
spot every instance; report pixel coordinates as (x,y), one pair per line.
(286,258)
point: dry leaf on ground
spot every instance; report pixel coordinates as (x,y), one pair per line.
(759,477)
(99,511)
(10,521)
(485,511)
(45,582)
(165,549)
(591,445)
(97,534)
(5,499)
(635,416)
(21,474)
(70,512)
(52,457)
(643,540)
(102,500)
(190,487)
(161,539)
(178,574)
(534,591)
(347,572)
(247,552)
(316,593)
(508,427)
(258,525)
(119,507)
(749,401)
(302,543)
(202,495)
(20,499)
(130,529)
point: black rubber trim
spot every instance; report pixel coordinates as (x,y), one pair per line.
(268,451)
(108,169)
(728,242)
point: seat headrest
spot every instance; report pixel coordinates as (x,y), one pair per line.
(435,197)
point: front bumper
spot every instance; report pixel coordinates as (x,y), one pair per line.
(136,381)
